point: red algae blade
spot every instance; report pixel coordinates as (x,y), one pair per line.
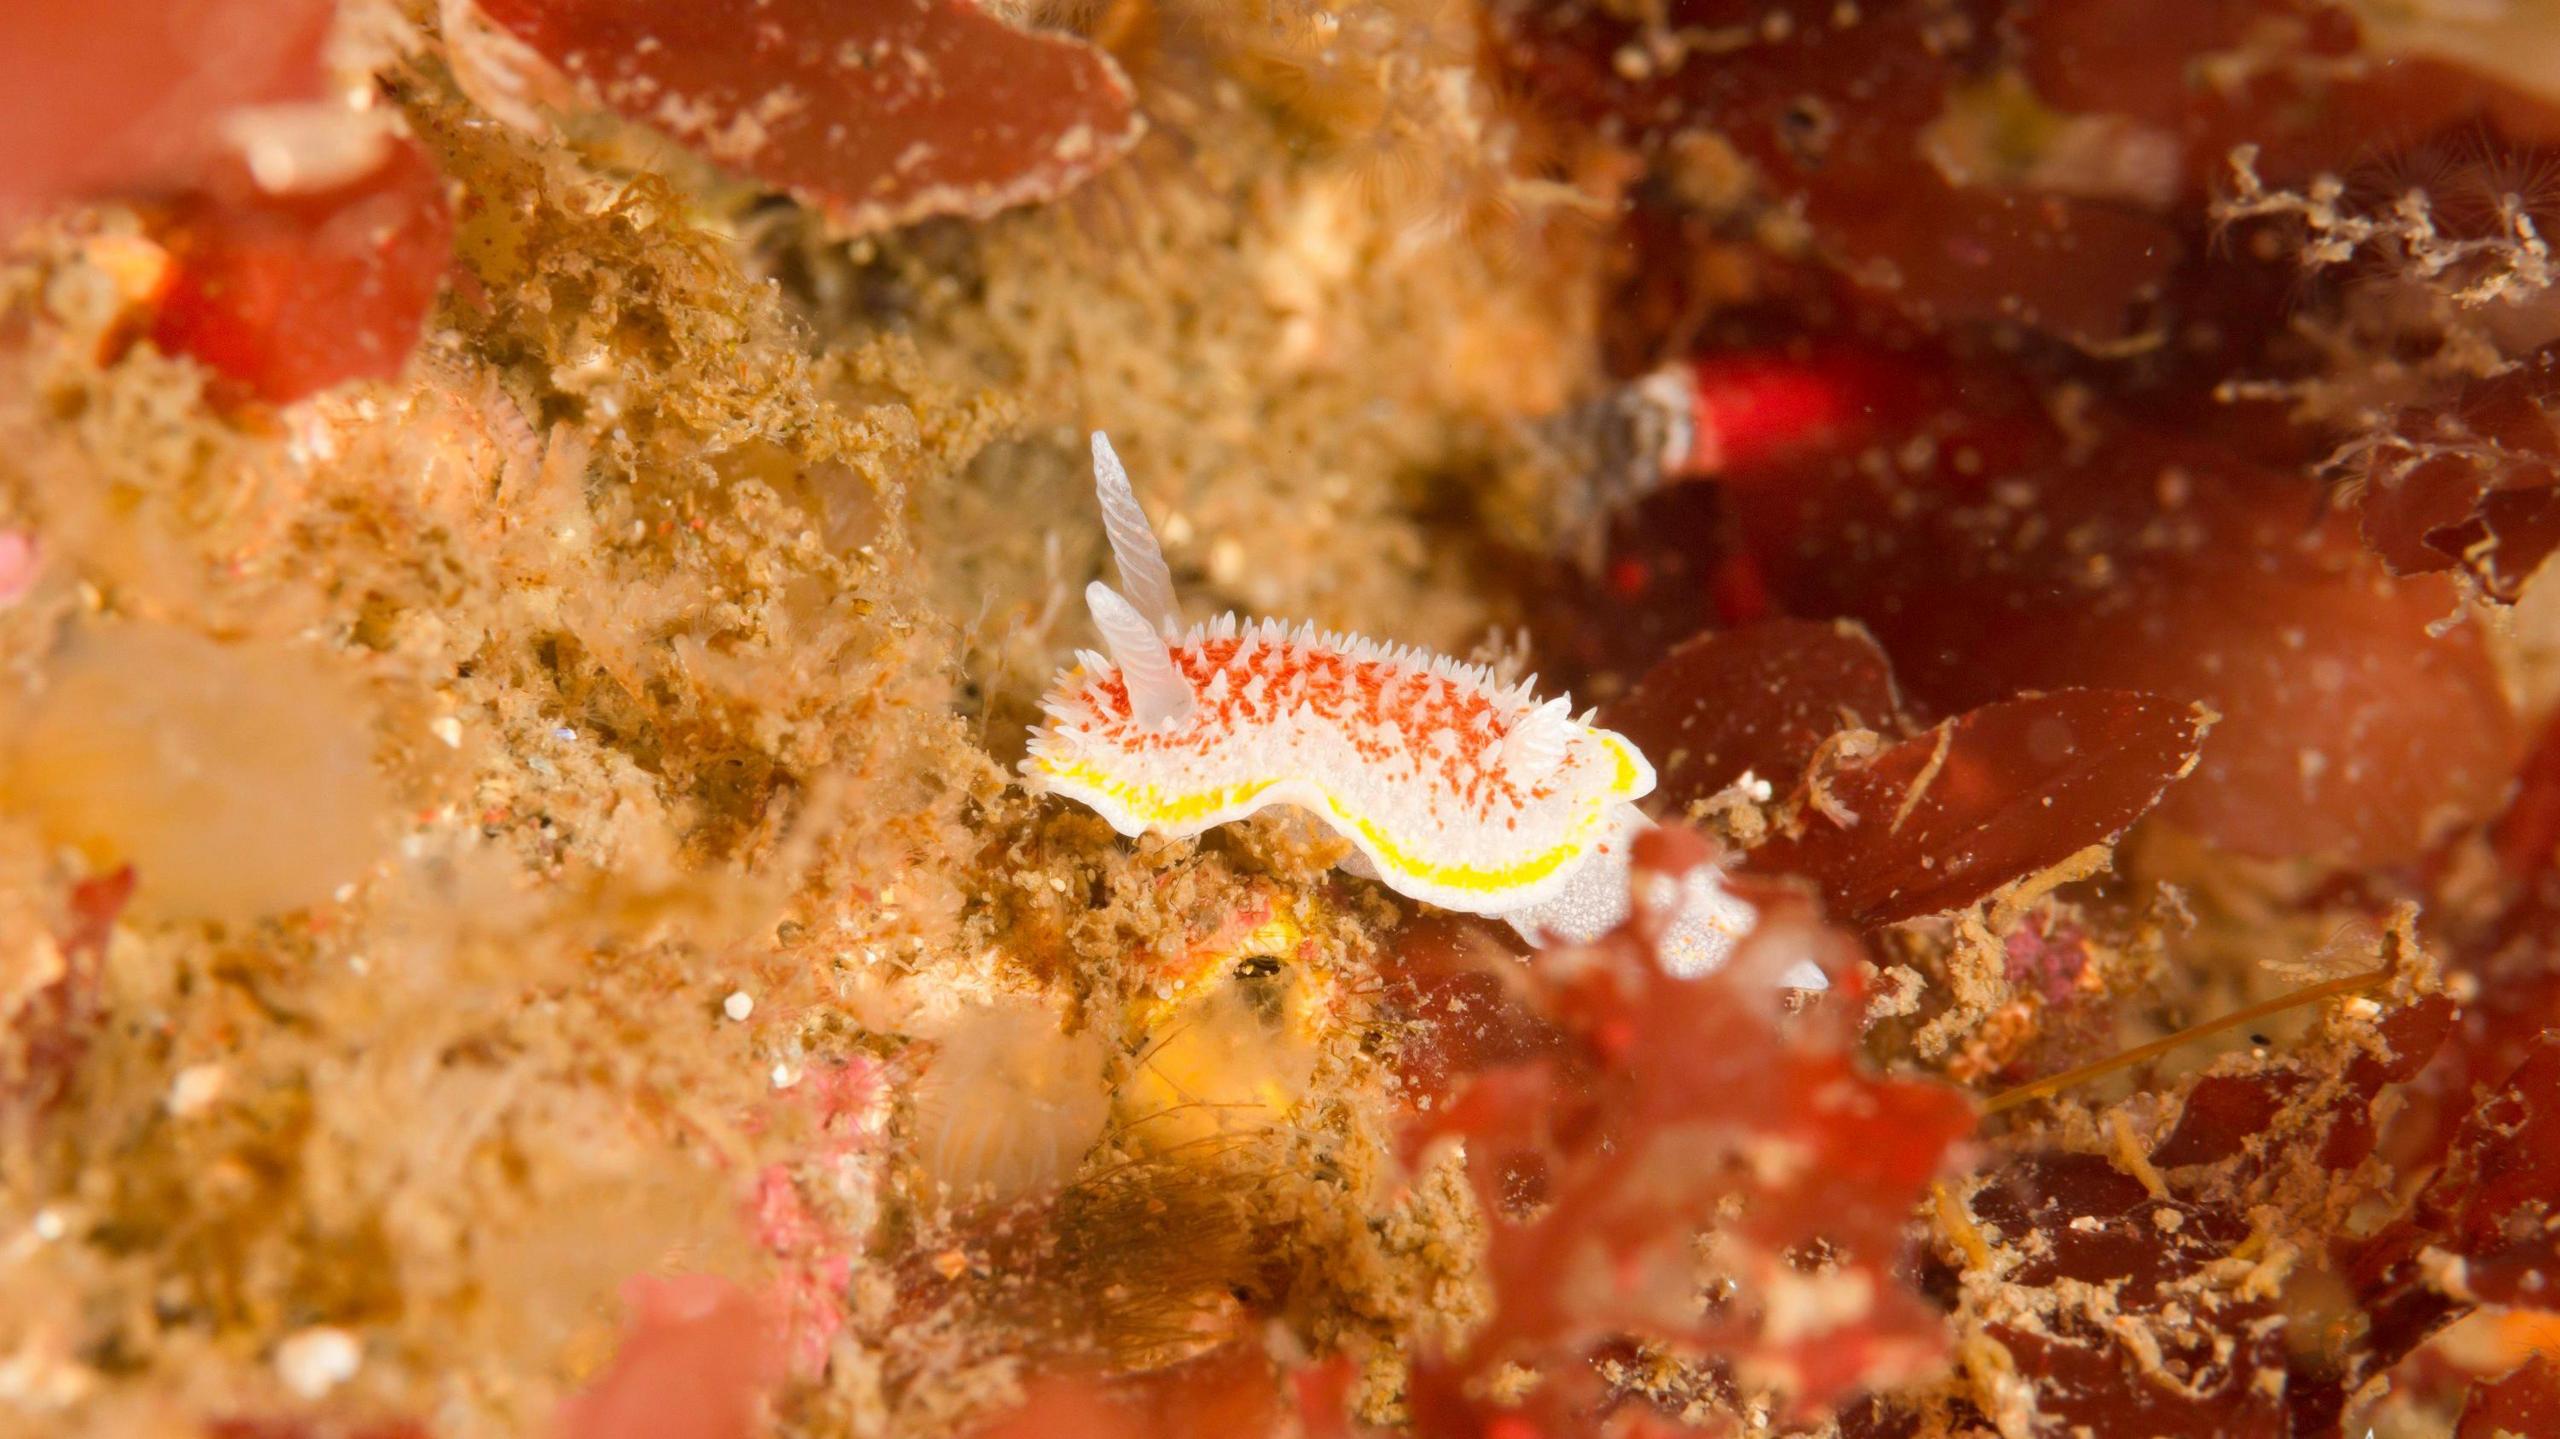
(126,96)
(2486,1206)
(1993,796)
(2100,1226)
(2472,484)
(288,294)
(2524,1401)
(1757,700)
(878,114)
(2354,722)
(1599,1150)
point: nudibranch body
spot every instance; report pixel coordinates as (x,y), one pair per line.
(1460,792)
(1457,790)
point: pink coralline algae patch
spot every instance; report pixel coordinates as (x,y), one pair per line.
(813,1258)
(2051,959)
(815,1267)
(879,114)
(20,564)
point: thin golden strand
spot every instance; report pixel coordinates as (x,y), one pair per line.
(2054,1084)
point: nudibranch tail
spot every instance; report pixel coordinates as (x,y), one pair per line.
(1143,574)
(1698,921)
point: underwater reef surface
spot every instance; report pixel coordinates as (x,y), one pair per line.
(537,537)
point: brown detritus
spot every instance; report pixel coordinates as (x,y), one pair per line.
(1138,1265)
(51,1005)
(2014,900)
(1974,998)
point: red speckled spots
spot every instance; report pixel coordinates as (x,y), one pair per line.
(1399,716)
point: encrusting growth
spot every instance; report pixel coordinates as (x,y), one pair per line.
(1457,790)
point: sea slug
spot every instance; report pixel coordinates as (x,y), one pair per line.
(1456,789)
